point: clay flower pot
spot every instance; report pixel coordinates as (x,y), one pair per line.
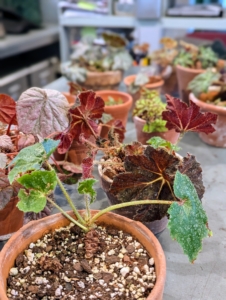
(217,138)
(151,86)
(118,111)
(36,229)
(11,219)
(142,137)
(108,80)
(70,98)
(184,76)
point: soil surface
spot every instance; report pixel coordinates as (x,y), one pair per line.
(69,264)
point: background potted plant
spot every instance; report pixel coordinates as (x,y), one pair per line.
(147,117)
(38,182)
(164,59)
(208,91)
(117,106)
(191,61)
(98,67)
(147,78)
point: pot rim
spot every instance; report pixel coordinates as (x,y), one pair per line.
(101,73)
(148,85)
(127,101)
(190,70)
(206,106)
(47,224)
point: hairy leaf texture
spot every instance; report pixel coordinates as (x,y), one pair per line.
(42,112)
(183,118)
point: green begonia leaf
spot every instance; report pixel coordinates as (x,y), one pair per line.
(155,126)
(157,142)
(38,185)
(50,146)
(86,187)
(34,201)
(188,222)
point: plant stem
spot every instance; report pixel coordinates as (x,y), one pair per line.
(10,124)
(67,215)
(86,196)
(121,205)
(67,197)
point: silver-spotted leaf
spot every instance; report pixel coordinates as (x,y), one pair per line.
(42,111)
(29,158)
(188,222)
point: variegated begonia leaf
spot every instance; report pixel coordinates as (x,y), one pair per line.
(42,111)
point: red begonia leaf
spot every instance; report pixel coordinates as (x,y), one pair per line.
(119,129)
(66,140)
(87,167)
(182,118)
(7,190)
(7,109)
(84,117)
(136,148)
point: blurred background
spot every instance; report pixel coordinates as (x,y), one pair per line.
(36,35)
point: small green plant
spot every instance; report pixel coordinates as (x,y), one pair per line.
(202,82)
(111,101)
(207,57)
(184,59)
(150,176)
(150,108)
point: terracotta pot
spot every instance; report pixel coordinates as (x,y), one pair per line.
(11,219)
(184,76)
(36,229)
(151,86)
(156,226)
(108,80)
(217,138)
(170,84)
(70,98)
(119,111)
(142,137)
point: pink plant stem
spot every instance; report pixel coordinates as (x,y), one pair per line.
(10,124)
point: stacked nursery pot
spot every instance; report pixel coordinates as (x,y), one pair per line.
(217,138)
(34,230)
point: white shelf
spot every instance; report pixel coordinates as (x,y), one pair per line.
(196,23)
(99,21)
(14,44)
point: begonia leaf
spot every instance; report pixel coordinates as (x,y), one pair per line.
(136,148)
(84,117)
(6,143)
(75,88)
(38,186)
(151,176)
(66,140)
(69,166)
(7,190)
(182,118)
(7,110)
(28,159)
(157,142)
(50,146)
(25,141)
(86,187)
(119,129)
(87,167)
(42,112)
(188,222)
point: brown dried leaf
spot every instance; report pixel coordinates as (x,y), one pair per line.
(136,148)
(6,143)
(25,141)
(6,190)
(3,160)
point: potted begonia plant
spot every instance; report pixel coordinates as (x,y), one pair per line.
(208,91)
(68,261)
(98,67)
(191,61)
(147,117)
(22,124)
